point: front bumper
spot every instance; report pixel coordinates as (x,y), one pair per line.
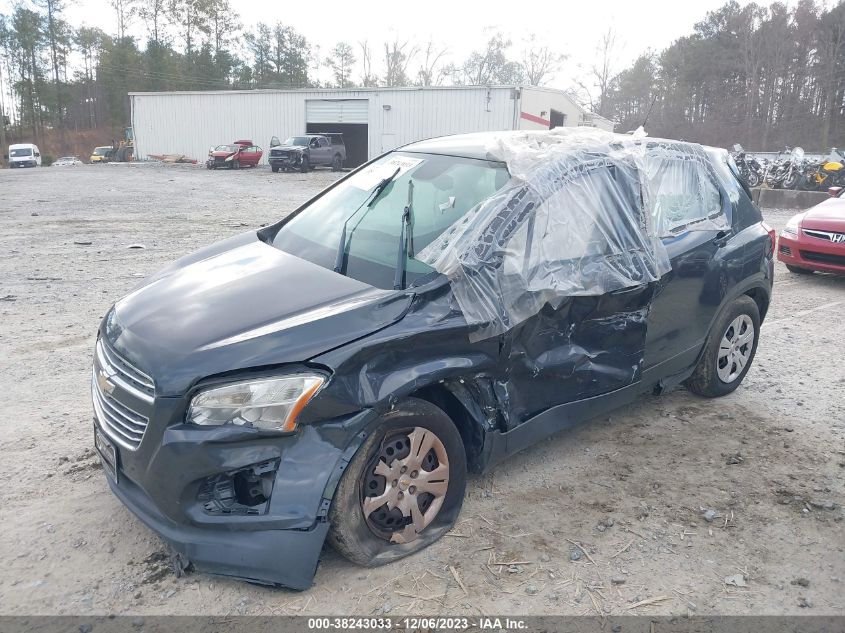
(23,163)
(811,253)
(162,482)
(286,161)
(279,557)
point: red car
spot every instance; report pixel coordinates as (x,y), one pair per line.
(815,239)
(239,154)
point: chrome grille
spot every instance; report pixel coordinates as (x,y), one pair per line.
(830,236)
(118,389)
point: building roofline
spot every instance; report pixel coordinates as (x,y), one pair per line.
(356,90)
(331,90)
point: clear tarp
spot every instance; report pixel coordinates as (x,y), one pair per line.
(582,214)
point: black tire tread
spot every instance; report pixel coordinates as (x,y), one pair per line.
(705,380)
(349,535)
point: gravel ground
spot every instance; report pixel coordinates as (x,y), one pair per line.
(625,494)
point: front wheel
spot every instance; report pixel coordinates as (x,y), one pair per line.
(303,165)
(729,350)
(275,168)
(404,488)
(753,179)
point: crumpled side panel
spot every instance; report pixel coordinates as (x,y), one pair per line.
(582,215)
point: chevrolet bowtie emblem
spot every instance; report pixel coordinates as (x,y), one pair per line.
(106,385)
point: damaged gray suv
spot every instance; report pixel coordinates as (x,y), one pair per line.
(337,374)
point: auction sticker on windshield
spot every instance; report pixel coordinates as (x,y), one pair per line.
(368,178)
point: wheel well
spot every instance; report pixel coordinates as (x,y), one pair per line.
(472,433)
(761,299)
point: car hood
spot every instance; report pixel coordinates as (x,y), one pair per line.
(222,154)
(242,304)
(827,216)
(295,148)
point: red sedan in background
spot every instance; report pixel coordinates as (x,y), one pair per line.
(239,154)
(815,239)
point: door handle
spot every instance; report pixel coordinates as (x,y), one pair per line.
(721,238)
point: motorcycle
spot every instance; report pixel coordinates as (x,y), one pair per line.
(828,173)
(749,168)
(793,168)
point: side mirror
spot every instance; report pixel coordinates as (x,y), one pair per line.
(37,155)
(834,191)
(274,142)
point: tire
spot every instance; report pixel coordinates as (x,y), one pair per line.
(711,379)
(369,541)
(236,164)
(753,179)
(797,270)
(337,162)
(304,165)
(275,168)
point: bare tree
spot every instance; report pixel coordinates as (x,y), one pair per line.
(153,13)
(125,11)
(368,79)
(539,61)
(397,56)
(431,72)
(602,71)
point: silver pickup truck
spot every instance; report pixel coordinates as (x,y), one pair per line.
(307,151)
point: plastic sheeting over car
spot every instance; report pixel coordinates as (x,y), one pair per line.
(582,214)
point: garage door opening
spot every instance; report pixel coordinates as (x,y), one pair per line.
(354,137)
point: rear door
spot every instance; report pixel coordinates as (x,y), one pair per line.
(686,193)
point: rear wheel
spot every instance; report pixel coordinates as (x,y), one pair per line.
(797,270)
(729,350)
(403,489)
(337,162)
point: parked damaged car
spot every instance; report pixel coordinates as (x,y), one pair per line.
(239,154)
(337,374)
(302,153)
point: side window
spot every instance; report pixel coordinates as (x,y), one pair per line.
(324,142)
(597,215)
(683,194)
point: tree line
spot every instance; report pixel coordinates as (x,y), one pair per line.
(202,45)
(764,76)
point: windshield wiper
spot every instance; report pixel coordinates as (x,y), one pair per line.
(369,201)
(406,240)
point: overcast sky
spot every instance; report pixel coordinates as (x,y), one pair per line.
(570,27)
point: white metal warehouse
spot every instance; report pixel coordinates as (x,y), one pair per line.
(372,120)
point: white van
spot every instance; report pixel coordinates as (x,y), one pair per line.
(24,155)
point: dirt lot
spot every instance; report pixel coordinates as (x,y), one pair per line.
(631,489)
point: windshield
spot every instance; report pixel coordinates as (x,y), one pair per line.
(226,148)
(301,141)
(445,189)
(101,151)
(22,151)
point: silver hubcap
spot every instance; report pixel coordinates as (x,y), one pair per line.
(735,348)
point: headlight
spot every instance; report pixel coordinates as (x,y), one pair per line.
(791,228)
(271,403)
